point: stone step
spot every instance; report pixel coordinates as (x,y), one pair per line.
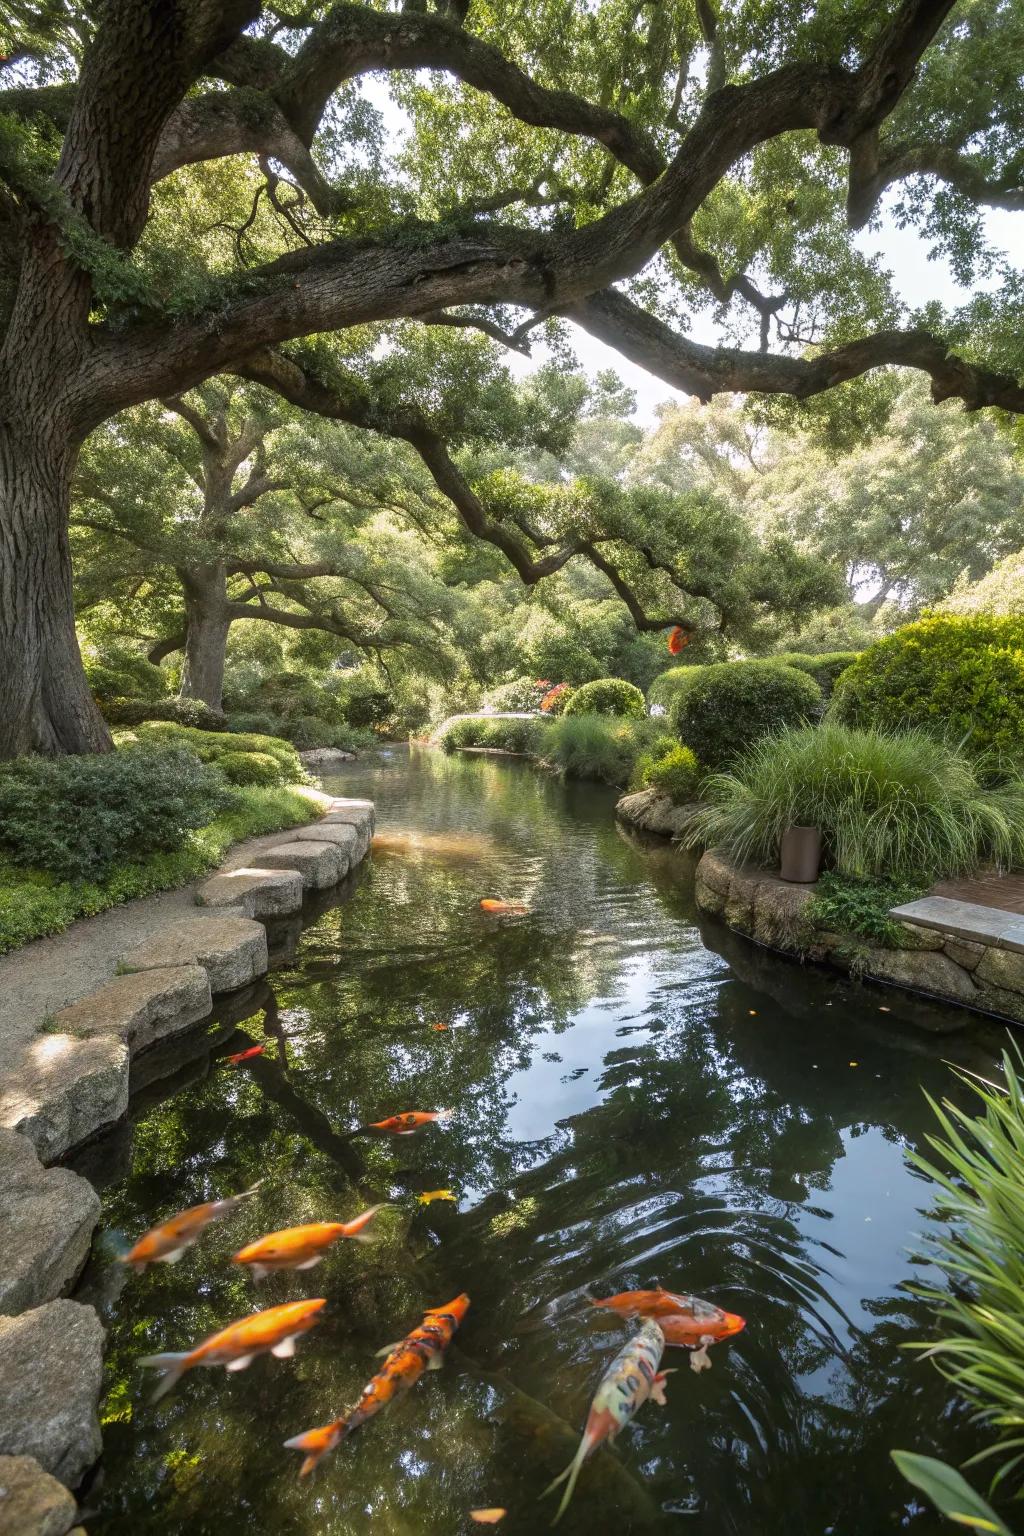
(253,892)
(60,1090)
(32,1503)
(51,1376)
(966,920)
(47,1217)
(319,863)
(141,1006)
(232,950)
(343,835)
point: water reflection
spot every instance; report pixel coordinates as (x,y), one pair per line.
(631,1107)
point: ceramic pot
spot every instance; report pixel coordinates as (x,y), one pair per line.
(801,855)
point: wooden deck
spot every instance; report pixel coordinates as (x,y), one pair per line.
(1004,892)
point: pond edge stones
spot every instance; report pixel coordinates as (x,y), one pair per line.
(32,1503)
(47,1216)
(51,1374)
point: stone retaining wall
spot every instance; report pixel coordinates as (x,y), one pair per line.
(935,963)
(71,1081)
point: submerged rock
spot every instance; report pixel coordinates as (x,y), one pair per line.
(51,1373)
(47,1216)
(32,1503)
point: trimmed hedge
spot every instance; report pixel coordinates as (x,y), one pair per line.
(250,768)
(734,704)
(673,769)
(607,696)
(825,669)
(190,712)
(960,677)
(213,748)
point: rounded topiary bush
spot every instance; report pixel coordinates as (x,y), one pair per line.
(735,703)
(826,669)
(190,712)
(250,768)
(675,773)
(607,696)
(958,676)
(669,686)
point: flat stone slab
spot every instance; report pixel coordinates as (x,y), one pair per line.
(51,1374)
(60,1090)
(319,863)
(47,1217)
(141,1007)
(32,1503)
(343,835)
(232,950)
(253,892)
(965,920)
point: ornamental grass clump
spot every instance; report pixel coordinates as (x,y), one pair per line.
(897,805)
(600,747)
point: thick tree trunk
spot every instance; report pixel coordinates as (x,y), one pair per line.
(45,703)
(206,634)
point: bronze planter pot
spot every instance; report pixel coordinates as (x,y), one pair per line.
(800,855)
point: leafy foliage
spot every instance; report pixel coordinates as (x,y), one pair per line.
(599,747)
(499,735)
(213,749)
(733,704)
(250,768)
(960,677)
(670,767)
(950,1492)
(519,694)
(898,806)
(825,668)
(671,685)
(123,674)
(188,712)
(1000,591)
(845,905)
(607,696)
(76,817)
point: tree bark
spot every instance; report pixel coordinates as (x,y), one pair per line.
(207,622)
(45,703)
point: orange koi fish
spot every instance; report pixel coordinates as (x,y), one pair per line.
(236,1346)
(685,1320)
(677,640)
(629,1381)
(421,1350)
(166,1243)
(487,1516)
(302,1247)
(408,1122)
(254,1050)
(503,908)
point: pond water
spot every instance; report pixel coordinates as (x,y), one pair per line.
(633,1104)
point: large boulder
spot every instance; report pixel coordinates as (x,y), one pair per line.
(51,1374)
(32,1503)
(923,971)
(231,949)
(141,1007)
(62,1089)
(650,810)
(47,1216)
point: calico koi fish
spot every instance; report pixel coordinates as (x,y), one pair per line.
(685,1320)
(629,1381)
(254,1050)
(503,908)
(421,1350)
(408,1122)
(166,1243)
(273,1331)
(302,1247)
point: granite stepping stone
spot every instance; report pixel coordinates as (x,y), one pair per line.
(47,1217)
(61,1090)
(232,950)
(344,837)
(51,1376)
(254,892)
(319,863)
(141,1007)
(32,1503)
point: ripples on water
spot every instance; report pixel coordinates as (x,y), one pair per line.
(633,1106)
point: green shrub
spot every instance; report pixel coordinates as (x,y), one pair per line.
(124,674)
(673,770)
(254,724)
(608,696)
(33,903)
(369,707)
(733,704)
(211,749)
(960,677)
(522,693)
(501,735)
(250,768)
(77,816)
(862,907)
(899,806)
(190,712)
(598,746)
(826,669)
(671,685)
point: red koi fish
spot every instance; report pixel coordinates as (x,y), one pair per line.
(273,1331)
(166,1243)
(421,1350)
(629,1381)
(408,1123)
(254,1050)
(685,1320)
(677,640)
(302,1247)
(503,908)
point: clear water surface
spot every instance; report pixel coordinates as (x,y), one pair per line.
(638,1098)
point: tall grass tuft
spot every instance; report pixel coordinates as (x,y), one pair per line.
(598,747)
(980,1177)
(896,805)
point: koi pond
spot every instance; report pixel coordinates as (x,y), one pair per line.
(637,1100)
